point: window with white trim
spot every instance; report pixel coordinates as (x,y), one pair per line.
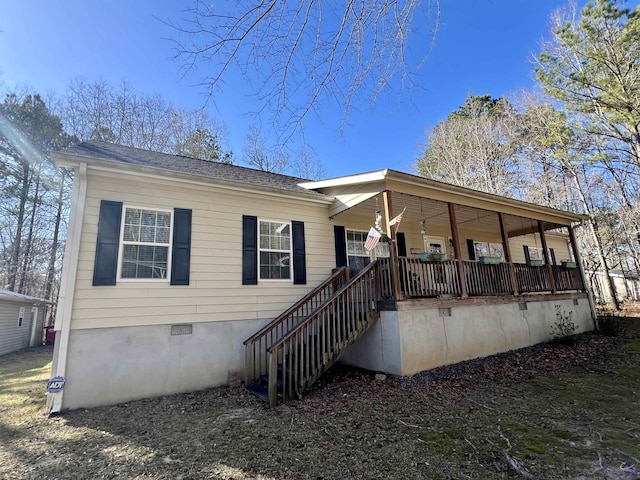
(145,243)
(358,257)
(274,250)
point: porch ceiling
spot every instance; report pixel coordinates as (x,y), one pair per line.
(436,212)
(356,191)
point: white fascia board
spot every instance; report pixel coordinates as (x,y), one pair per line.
(347,180)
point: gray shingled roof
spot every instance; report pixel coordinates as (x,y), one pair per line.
(111,152)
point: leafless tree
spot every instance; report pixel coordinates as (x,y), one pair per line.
(296,55)
(96,110)
(307,165)
(258,155)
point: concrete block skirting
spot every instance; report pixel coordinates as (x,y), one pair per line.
(107,366)
(411,340)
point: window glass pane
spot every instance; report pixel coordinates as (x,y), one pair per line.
(496,250)
(162,235)
(275,265)
(140,261)
(164,219)
(148,218)
(131,233)
(132,216)
(482,249)
(147,234)
(129,261)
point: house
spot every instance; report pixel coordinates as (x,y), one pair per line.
(627,285)
(180,273)
(21,321)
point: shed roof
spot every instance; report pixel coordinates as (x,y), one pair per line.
(19,297)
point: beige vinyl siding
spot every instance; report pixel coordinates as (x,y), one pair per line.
(12,337)
(215,292)
(559,243)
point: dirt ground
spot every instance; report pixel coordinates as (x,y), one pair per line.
(559,410)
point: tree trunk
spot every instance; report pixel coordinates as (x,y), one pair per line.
(51,270)
(15,248)
(595,233)
(27,251)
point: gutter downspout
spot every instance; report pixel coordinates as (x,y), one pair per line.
(34,324)
(62,324)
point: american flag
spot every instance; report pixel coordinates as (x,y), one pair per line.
(372,239)
(397,219)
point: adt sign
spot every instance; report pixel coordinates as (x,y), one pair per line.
(55,385)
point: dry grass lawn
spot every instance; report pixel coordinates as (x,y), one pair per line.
(550,411)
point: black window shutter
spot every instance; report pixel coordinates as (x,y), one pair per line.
(249,250)
(181,254)
(552,254)
(341,246)
(105,266)
(527,257)
(299,259)
(402,244)
(471,248)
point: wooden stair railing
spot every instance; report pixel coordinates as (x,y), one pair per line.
(256,345)
(301,356)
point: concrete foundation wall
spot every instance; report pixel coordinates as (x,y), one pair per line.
(114,365)
(412,340)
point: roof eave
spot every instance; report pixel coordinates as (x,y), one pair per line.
(474,194)
(68,160)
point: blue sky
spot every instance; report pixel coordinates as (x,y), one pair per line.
(482,47)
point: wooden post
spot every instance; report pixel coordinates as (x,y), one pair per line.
(456,249)
(273,378)
(507,253)
(545,252)
(395,269)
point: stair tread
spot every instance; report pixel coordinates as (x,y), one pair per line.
(259,391)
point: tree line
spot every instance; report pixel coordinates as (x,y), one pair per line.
(572,144)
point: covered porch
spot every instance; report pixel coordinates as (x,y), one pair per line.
(452,242)
(464,275)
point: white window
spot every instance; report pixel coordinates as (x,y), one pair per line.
(274,256)
(481,249)
(535,253)
(434,245)
(496,250)
(21,316)
(145,243)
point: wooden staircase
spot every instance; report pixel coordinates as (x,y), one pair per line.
(287,356)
